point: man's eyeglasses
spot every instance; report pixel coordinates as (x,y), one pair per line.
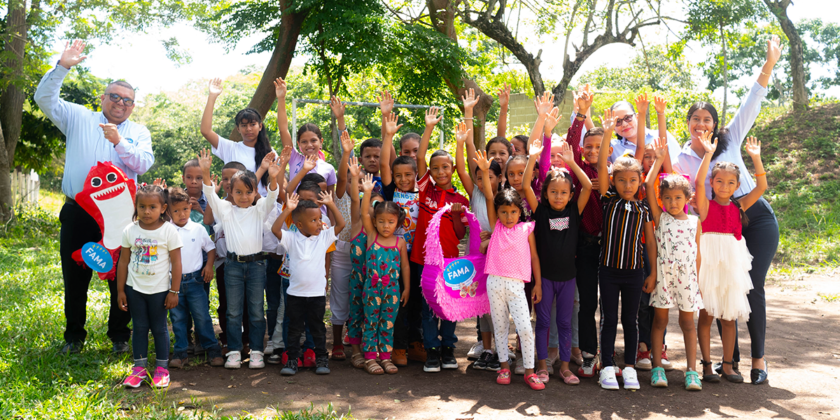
(625,120)
(117,98)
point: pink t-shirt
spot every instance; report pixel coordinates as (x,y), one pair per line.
(509,253)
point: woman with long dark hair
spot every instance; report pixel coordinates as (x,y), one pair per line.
(762,232)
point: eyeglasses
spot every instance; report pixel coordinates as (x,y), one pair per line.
(625,120)
(117,98)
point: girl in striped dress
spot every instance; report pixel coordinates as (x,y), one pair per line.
(621,272)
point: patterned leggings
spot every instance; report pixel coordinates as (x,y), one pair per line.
(507,297)
(357,308)
(381,306)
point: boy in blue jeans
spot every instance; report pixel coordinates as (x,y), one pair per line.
(192,299)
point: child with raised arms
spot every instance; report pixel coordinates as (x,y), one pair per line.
(150,247)
(621,270)
(677,237)
(511,259)
(245,264)
(726,263)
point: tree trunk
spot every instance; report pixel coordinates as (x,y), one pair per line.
(281,60)
(11,100)
(725,75)
(797,61)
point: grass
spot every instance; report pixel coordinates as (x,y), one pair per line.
(801,157)
(37,383)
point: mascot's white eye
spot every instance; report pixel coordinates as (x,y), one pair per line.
(95,182)
(111,177)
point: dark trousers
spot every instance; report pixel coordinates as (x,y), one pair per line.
(309,312)
(273,293)
(627,285)
(762,236)
(77,229)
(408,327)
(586,265)
(148,313)
(221,312)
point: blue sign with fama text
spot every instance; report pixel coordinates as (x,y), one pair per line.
(459,273)
(97,257)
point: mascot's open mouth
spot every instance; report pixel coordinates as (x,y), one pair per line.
(109,192)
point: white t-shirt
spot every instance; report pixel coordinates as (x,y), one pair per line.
(288,225)
(195,240)
(243,227)
(148,269)
(307,258)
(478,205)
(236,151)
(221,246)
(270,242)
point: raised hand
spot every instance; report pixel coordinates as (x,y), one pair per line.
(583,101)
(642,103)
(566,153)
(753,147)
(390,124)
(774,49)
(268,159)
(551,120)
(292,201)
(504,95)
(215,87)
(482,160)
(274,168)
(280,88)
(355,169)
(205,159)
(660,148)
(660,104)
(536,148)
(337,106)
(160,182)
(73,54)
(544,103)
(709,144)
(324,198)
(285,157)
(310,163)
(367,183)
(608,121)
(462,133)
(386,102)
(111,133)
(346,142)
(216,184)
(470,98)
(433,116)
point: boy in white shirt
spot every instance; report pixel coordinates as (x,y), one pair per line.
(192,298)
(306,297)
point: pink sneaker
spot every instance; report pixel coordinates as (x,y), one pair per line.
(161,379)
(138,375)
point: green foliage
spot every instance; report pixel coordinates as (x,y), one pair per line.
(651,68)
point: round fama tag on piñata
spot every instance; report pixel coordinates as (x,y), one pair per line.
(458,276)
(97,257)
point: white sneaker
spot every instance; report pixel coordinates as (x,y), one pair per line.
(269,349)
(666,364)
(607,379)
(476,350)
(234,360)
(631,380)
(256,360)
(520,366)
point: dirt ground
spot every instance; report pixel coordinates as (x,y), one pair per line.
(803,354)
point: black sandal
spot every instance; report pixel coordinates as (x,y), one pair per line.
(711,377)
(736,378)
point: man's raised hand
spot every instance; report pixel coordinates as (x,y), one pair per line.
(73,54)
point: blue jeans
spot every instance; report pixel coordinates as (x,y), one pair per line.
(245,281)
(273,293)
(148,313)
(193,301)
(436,332)
(309,342)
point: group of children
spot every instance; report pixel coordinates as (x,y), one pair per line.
(551,239)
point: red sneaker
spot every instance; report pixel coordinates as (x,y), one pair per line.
(666,364)
(309,358)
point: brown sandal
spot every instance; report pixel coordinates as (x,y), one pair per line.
(390,367)
(372,367)
(357,360)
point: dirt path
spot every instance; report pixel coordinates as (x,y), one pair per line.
(803,353)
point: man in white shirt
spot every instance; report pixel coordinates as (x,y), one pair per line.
(106,136)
